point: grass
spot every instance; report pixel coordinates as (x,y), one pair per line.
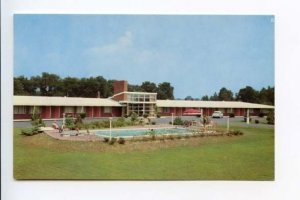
(247,157)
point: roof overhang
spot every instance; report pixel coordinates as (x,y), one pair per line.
(210,104)
(63,101)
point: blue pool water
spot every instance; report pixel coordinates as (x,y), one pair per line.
(137,132)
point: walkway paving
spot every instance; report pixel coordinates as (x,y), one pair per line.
(81,136)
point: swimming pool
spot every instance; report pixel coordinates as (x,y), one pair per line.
(141,131)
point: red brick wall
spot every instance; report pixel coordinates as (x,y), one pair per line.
(46,112)
(55,111)
(116,112)
(179,111)
(207,111)
(97,112)
(22,116)
(237,111)
(89,111)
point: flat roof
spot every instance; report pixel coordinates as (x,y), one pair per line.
(209,104)
(80,101)
(63,101)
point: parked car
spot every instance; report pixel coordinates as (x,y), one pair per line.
(217,114)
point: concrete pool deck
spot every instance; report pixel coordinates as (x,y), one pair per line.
(84,136)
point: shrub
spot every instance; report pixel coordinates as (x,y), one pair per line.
(134,117)
(178,121)
(38,122)
(36,119)
(235,132)
(82,115)
(104,124)
(120,122)
(112,141)
(106,139)
(126,116)
(141,121)
(256,121)
(158,115)
(205,120)
(30,131)
(187,123)
(153,123)
(69,122)
(145,115)
(271,117)
(121,141)
(80,126)
(231,115)
(78,119)
(261,114)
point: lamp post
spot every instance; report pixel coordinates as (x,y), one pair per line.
(172,118)
(110,119)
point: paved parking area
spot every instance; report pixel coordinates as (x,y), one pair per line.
(238,121)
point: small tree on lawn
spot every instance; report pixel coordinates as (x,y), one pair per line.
(36,119)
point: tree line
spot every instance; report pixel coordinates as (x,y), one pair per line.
(53,85)
(247,94)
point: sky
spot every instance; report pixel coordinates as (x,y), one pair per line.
(197,54)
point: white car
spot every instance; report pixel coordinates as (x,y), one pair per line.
(217,114)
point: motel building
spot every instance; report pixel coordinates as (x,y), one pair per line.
(123,103)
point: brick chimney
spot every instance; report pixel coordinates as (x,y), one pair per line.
(120,86)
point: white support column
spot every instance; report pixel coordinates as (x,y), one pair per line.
(64,119)
(110,119)
(228,124)
(248,117)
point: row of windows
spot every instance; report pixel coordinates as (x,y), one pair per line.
(67,109)
(141,97)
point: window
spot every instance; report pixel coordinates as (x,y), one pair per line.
(221,109)
(107,109)
(19,110)
(80,109)
(69,109)
(37,109)
(166,109)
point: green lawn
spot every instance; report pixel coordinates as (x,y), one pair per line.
(247,157)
